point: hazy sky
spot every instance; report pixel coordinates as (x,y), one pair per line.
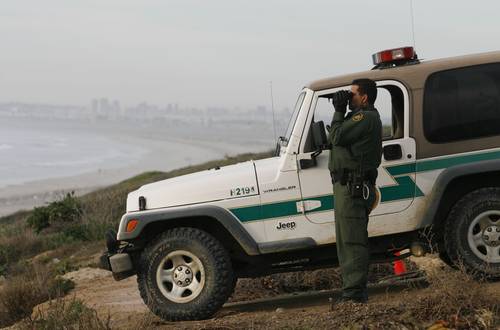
(224,53)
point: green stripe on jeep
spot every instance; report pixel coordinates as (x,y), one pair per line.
(436,164)
(404,189)
(279,209)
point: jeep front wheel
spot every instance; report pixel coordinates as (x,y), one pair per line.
(472,235)
(185,274)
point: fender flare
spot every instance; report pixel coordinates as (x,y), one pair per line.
(223,216)
(448,175)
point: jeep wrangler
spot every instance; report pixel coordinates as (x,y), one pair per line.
(189,238)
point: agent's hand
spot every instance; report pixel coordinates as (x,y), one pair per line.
(340,100)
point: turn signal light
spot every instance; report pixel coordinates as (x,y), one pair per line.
(131,224)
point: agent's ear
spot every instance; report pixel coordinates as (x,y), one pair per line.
(364,99)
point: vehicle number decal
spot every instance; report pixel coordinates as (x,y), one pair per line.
(241,191)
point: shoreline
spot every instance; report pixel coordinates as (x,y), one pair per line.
(27,195)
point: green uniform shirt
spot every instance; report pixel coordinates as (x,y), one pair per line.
(356,140)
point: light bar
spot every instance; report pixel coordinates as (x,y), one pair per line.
(394,55)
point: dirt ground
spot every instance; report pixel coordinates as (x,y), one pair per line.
(296,301)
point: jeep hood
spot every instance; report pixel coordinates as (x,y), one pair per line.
(200,187)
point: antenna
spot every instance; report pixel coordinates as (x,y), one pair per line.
(412,24)
(272,109)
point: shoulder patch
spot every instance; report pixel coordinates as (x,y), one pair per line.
(358,117)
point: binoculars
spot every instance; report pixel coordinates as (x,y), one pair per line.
(342,96)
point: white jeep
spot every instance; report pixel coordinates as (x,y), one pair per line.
(189,238)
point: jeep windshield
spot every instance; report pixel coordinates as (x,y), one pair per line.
(284,139)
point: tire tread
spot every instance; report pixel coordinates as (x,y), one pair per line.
(219,294)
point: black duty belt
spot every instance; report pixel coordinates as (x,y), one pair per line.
(345,175)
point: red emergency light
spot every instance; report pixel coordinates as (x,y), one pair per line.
(391,57)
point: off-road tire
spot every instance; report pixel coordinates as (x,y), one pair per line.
(456,230)
(219,277)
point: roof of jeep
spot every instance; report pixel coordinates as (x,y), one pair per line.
(413,75)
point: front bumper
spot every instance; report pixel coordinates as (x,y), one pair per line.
(116,259)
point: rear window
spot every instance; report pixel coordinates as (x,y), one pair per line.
(462,104)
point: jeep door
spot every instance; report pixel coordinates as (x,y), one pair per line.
(279,188)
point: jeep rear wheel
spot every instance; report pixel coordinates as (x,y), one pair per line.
(185,274)
(472,235)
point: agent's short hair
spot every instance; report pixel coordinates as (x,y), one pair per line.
(367,87)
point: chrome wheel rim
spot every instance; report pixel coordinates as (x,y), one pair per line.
(484,236)
(180,276)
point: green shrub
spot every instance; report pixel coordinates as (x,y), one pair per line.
(39,219)
(68,209)
(53,241)
(64,266)
(57,213)
(59,286)
(78,232)
(5,255)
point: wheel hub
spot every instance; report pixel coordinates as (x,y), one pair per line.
(491,235)
(183,275)
(180,276)
(484,236)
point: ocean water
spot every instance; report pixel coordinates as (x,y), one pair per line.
(31,151)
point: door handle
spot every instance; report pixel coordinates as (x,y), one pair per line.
(309,205)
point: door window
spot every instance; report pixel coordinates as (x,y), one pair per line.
(389,104)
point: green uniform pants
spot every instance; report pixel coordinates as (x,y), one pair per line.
(351,222)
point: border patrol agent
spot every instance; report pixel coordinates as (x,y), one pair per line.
(356,152)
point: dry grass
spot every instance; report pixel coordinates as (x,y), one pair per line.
(19,294)
(23,244)
(19,243)
(453,299)
(66,314)
(459,299)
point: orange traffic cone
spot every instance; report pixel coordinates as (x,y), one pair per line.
(399,266)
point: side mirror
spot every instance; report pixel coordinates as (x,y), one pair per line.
(320,143)
(319,135)
(307,163)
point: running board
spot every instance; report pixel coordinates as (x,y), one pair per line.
(287,245)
